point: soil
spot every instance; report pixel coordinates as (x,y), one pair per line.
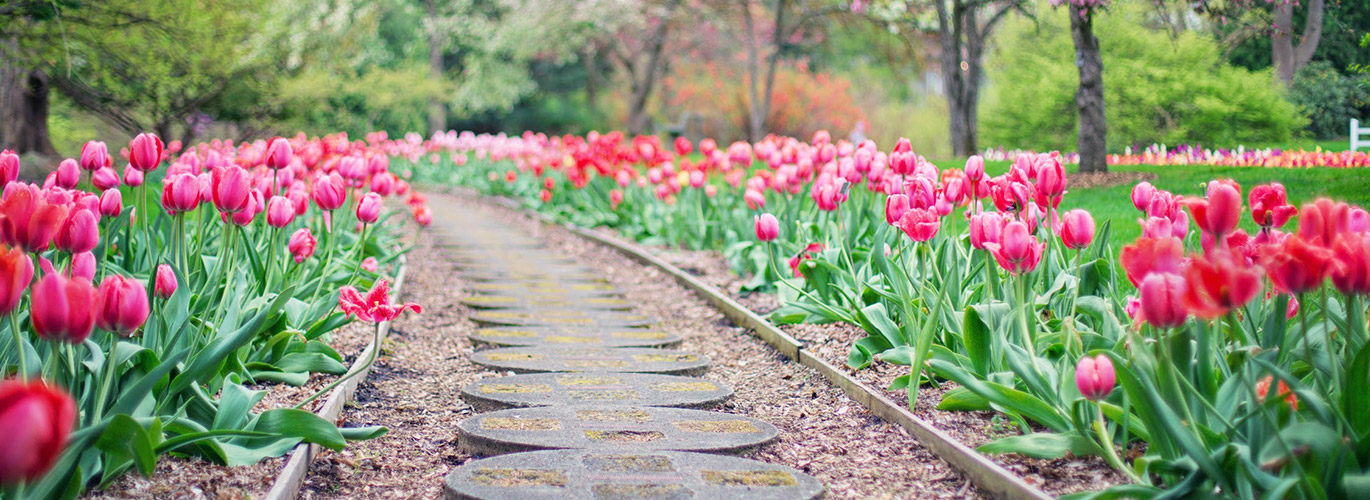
(822,432)
(1107,179)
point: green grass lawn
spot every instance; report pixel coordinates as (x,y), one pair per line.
(1114,203)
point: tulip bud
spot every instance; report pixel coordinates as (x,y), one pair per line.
(9,167)
(1094,377)
(767,227)
(95,156)
(278,153)
(895,207)
(145,152)
(105,178)
(301,244)
(181,193)
(280,212)
(230,188)
(68,174)
(1077,229)
(243,217)
(121,305)
(37,419)
(111,203)
(1162,300)
(329,192)
(369,210)
(165,285)
(82,266)
(62,308)
(1142,194)
(79,233)
(985,228)
(132,176)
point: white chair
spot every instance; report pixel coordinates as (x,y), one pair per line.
(1356,132)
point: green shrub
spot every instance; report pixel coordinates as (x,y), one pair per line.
(1156,88)
(1329,98)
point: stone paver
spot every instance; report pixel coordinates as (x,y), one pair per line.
(633,389)
(598,475)
(611,427)
(592,389)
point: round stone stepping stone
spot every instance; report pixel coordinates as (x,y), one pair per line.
(636,428)
(560,317)
(602,475)
(582,359)
(544,287)
(587,337)
(540,301)
(628,389)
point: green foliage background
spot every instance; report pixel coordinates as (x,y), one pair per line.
(1156,88)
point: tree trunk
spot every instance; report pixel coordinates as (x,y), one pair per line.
(644,81)
(437,112)
(1284,55)
(1089,98)
(764,111)
(588,59)
(24,109)
(960,110)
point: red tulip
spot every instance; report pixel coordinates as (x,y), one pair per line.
(165,284)
(1281,390)
(121,305)
(95,156)
(1321,221)
(280,212)
(9,167)
(301,244)
(895,207)
(369,210)
(37,418)
(330,192)
(1269,205)
(546,195)
(181,193)
(682,146)
(1351,263)
(278,153)
(1017,250)
(28,221)
(145,152)
(62,308)
(1296,265)
(1219,282)
(423,216)
(16,271)
(919,224)
(68,174)
(767,227)
(1077,229)
(111,203)
(375,306)
(1162,296)
(1094,376)
(1152,255)
(229,188)
(79,233)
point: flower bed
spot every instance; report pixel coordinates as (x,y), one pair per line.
(1019,305)
(217,290)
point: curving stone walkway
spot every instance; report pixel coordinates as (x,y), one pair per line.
(598,392)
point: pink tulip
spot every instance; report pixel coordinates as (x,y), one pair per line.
(181,193)
(165,284)
(301,244)
(16,271)
(79,233)
(975,169)
(383,183)
(27,219)
(111,203)
(62,308)
(329,192)
(105,178)
(95,156)
(145,152)
(37,419)
(1218,215)
(1142,194)
(920,224)
(1094,377)
(755,200)
(1162,296)
(278,153)
(300,200)
(1051,181)
(423,216)
(280,212)
(370,264)
(985,228)
(895,207)
(9,167)
(375,306)
(82,266)
(369,210)
(132,176)
(121,305)
(243,217)
(229,188)
(68,174)
(1077,229)
(767,227)
(1017,250)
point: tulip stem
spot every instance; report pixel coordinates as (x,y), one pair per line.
(19,346)
(106,381)
(1110,454)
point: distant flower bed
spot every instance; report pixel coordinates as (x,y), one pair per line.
(1160,154)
